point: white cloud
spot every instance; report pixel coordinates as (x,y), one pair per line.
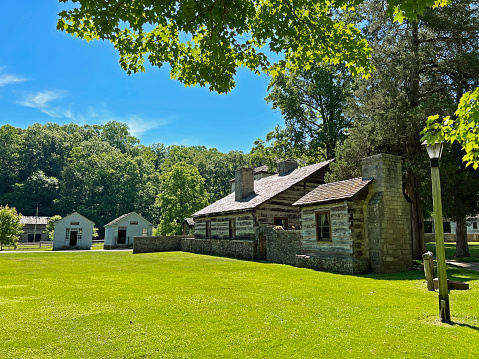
(139,126)
(41,100)
(8,79)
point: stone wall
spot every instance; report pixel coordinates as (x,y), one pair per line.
(281,245)
(387,215)
(243,249)
(233,248)
(335,264)
(156,244)
(451,237)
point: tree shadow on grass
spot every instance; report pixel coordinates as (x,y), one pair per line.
(453,273)
(473,327)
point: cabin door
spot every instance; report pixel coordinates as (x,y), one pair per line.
(262,247)
(121,236)
(73,238)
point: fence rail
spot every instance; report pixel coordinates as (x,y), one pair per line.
(42,245)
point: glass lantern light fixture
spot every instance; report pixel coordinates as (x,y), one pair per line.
(434,150)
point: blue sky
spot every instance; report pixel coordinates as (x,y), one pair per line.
(49,76)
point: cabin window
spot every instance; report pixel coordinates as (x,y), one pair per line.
(323,226)
(74,223)
(144,232)
(428,227)
(446,226)
(67,233)
(79,233)
(208,229)
(232,228)
(281,221)
(474,225)
(134,223)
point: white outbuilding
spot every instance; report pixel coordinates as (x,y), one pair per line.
(120,231)
(73,232)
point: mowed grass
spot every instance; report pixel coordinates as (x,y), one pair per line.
(99,304)
(450,250)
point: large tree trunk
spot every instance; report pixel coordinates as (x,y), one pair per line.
(417,217)
(462,248)
(412,149)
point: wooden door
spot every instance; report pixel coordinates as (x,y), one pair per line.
(73,238)
(121,236)
(262,247)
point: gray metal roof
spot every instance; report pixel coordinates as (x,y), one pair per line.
(190,221)
(335,191)
(264,189)
(32,219)
(116,220)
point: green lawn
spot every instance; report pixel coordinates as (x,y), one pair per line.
(99,304)
(450,249)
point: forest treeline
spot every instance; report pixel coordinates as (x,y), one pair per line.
(100,171)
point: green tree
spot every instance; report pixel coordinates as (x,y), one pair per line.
(11,146)
(215,167)
(276,148)
(50,227)
(463,127)
(117,134)
(205,42)
(182,194)
(100,182)
(38,190)
(10,226)
(419,71)
(313,104)
(460,194)
(200,42)
(460,22)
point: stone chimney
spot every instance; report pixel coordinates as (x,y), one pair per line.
(285,167)
(244,183)
(387,215)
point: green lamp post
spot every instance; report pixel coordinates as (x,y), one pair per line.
(435,151)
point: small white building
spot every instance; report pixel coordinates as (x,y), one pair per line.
(120,231)
(73,231)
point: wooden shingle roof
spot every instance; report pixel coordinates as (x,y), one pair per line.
(336,191)
(264,189)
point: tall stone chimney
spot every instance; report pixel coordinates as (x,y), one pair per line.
(287,166)
(244,183)
(387,215)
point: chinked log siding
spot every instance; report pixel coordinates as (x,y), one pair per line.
(341,242)
(220,226)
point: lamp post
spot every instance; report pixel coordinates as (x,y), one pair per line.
(435,151)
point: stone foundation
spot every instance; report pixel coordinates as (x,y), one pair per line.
(345,265)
